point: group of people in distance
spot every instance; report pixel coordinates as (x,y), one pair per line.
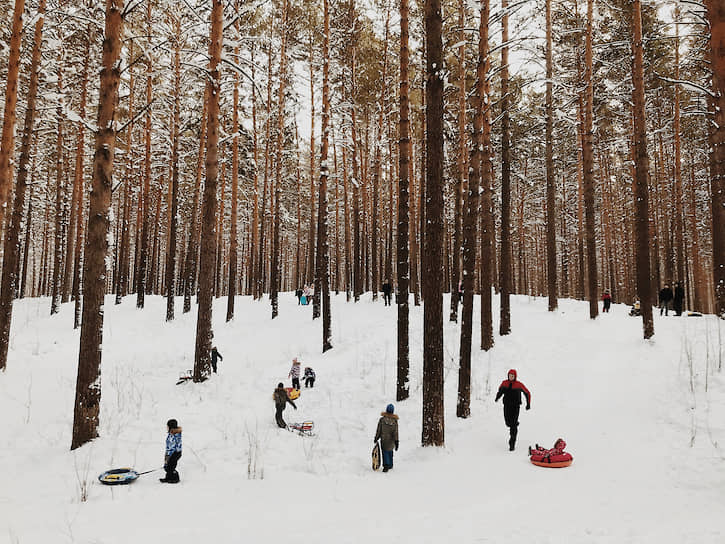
(305,294)
(669,299)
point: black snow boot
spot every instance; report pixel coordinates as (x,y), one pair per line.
(512,440)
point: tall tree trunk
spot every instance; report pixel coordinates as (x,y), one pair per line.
(233,234)
(505,270)
(7,144)
(433,421)
(174,223)
(550,178)
(310,275)
(322,276)
(402,390)
(641,164)
(588,161)
(463,407)
(204,331)
(145,197)
(463,166)
(59,199)
(12,239)
(88,384)
(716,17)
(488,249)
(276,250)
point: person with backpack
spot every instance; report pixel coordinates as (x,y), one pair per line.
(387,433)
(511,390)
(280,402)
(173,452)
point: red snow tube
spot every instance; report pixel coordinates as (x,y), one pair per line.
(552,461)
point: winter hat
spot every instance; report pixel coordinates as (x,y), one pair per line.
(512,371)
(389,409)
(172,424)
(280,385)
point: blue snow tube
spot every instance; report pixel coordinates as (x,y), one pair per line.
(118,476)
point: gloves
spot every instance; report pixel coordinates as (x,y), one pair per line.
(528,407)
(396,445)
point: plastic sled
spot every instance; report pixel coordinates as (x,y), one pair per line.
(304,428)
(185,376)
(292,393)
(377,454)
(118,476)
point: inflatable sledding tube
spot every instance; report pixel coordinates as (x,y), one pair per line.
(118,476)
(553,461)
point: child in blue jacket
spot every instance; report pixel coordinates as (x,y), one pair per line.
(173,452)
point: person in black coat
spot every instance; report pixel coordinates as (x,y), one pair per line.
(511,390)
(214,356)
(679,298)
(665,298)
(298,294)
(280,402)
(387,292)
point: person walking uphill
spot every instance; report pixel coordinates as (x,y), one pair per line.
(511,390)
(214,356)
(173,452)
(387,433)
(280,402)
(294,373)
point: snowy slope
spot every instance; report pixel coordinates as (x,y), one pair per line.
(644,421)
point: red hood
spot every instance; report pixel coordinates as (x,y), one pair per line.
(512,371)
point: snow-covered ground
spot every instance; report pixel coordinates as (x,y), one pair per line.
(645,422)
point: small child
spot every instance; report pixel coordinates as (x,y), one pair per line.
(309,377)
(558,449)
(294,373)
(173,452)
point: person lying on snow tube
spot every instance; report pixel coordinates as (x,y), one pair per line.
(555,456)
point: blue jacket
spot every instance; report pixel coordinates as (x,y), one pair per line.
(173,441)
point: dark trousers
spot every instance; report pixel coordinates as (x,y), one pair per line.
(388,459)
(296,383)
(387,298)
(309,382)
(278,416)
(606,305)
(511,417)
(170,467)
(213,366)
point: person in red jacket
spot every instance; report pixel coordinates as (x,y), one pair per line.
(511,390)
(607,300)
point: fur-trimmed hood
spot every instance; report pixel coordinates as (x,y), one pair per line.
(175,430)
(386,414)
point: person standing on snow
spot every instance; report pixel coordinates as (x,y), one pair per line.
(387,433)
(607,301)
(173,452)
(665,297)
(294,373)
(387,289)
(280,402)
(679,298)
(214,356)
(309,377)
(511,390)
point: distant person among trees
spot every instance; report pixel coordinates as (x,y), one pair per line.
(460,291)
(298,294)
(387,292)
(511,390)
(309,377)
(607,300)
(294,373)
(214,356)
(678,299)
(280,402)
(665,299)
(173,452)
(387,433)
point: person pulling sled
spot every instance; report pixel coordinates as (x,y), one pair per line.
(173,452)
(511,390)
(280,402)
